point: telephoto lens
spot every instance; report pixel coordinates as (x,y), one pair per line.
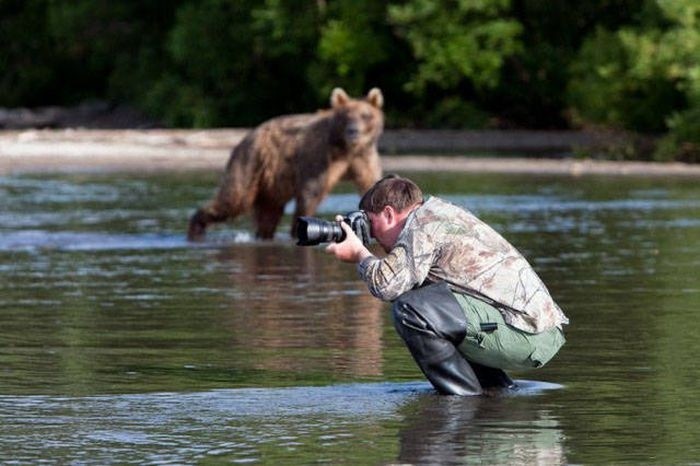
(312,231)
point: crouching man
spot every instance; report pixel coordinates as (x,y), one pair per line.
(465,301)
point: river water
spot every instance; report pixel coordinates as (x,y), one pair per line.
(120,343)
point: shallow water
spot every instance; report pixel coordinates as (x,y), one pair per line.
(122,343)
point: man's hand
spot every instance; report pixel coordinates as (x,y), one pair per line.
(351,248)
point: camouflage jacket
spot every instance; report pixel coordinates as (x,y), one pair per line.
(443,242)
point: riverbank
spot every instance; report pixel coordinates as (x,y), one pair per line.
(68,150)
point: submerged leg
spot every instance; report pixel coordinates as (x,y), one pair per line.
(199,221)
(441,363)
(267,217)
(432,325)
(490,377)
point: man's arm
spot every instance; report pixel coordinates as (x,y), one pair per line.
(389,277)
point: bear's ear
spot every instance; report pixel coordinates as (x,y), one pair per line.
(375,97)
(338,97)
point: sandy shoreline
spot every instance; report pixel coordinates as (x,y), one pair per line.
(45,151)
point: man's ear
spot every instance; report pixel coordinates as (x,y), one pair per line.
(389,213)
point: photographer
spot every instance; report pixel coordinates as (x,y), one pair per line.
(465,301)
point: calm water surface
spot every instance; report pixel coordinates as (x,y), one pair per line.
(120,343)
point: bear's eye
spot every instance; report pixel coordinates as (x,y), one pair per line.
(366,116)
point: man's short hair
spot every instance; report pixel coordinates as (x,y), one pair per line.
(392,190)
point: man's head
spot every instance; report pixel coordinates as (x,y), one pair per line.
(387,204)
(392,190)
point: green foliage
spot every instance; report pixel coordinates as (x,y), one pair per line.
(60,52)
(532,87)
(644,78)
(624,64)
(682,143)
(455,113)
(25,81)
(457,40)
(352,42)
(616,82)
(236,62)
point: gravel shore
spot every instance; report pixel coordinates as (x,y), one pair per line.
(68,150)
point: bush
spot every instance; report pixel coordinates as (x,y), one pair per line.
(682,143)
(611,85)
(645,78)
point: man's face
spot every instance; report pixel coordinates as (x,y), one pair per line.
(384,227)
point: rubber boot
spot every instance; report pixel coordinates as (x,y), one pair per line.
(442,364)
(432,324)
(490,377)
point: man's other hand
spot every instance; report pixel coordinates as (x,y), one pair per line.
(351,248)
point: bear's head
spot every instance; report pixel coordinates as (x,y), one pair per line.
(357,123)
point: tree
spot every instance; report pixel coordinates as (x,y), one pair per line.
(236,63)
(456,40)
(26,61)
(645,77)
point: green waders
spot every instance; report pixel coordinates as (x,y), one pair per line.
(462,345)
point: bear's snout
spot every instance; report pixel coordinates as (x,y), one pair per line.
(352,133)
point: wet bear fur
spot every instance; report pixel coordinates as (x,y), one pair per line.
(300,157)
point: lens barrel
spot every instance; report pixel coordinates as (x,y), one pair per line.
(312,231)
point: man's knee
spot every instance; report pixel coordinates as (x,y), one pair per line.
(432,309)
(406,320)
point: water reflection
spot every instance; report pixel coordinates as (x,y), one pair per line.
(385,422)
(455,430)
(293,309)
(122,343)
(32,240)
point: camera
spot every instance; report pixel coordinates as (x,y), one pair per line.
(312,231)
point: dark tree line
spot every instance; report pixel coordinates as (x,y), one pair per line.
(621,64)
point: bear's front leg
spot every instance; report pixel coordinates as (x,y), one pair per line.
(307,199)
(267,217)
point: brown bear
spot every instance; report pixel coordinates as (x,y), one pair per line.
(299,157)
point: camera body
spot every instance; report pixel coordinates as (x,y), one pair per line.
(312,231)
